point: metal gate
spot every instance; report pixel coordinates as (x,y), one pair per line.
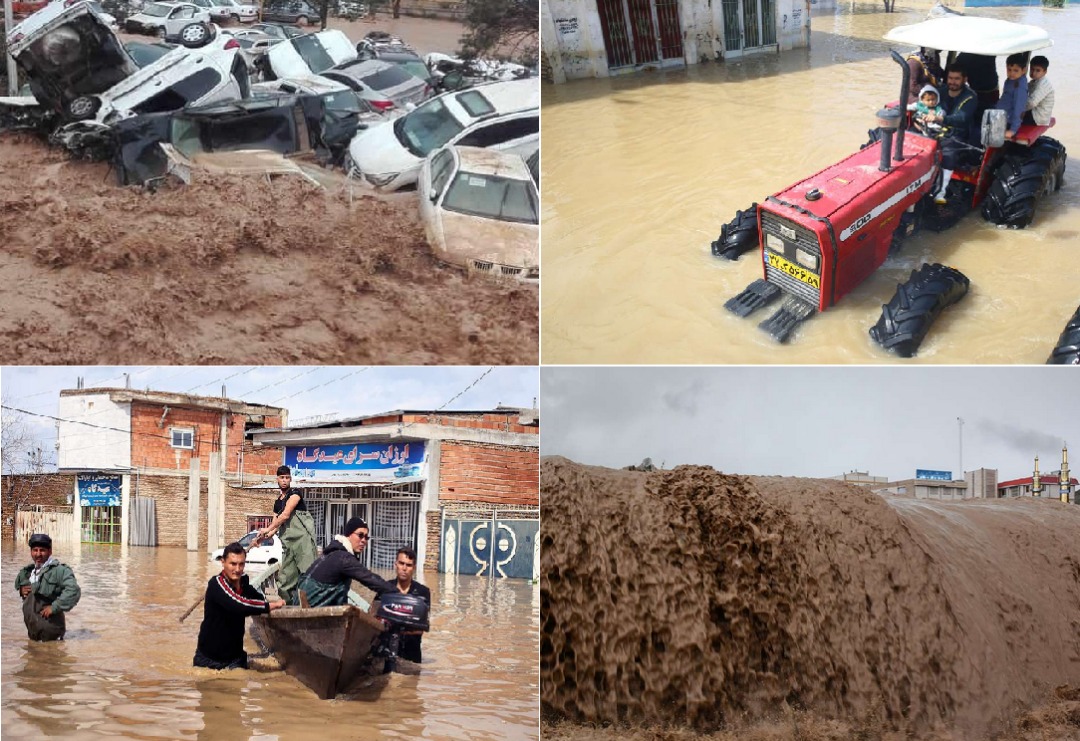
(749,25)
(142,527)
(641,32)
(504,548)
(56,521)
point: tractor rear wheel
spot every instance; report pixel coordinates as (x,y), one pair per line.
(1067,350)
(1015,191)
(738,235)
(906,319)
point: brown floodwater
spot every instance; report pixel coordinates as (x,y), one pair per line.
(124,669)
(641,171)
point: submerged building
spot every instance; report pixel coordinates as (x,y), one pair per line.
(597,38)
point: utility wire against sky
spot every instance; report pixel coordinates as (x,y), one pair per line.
(458,395)
(93,383)
(327,383)
(222,380)
(246,394)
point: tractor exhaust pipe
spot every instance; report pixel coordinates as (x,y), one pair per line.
(906,81)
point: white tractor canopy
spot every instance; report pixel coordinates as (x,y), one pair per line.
(960,33)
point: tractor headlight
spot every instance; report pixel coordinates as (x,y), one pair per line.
(807,259)
(774,243)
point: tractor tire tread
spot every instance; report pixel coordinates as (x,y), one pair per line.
(917,303)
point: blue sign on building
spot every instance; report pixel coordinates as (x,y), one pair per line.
(921,473)
(330,461)
(99,489)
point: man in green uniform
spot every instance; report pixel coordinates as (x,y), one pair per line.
(48,589)
(297,533)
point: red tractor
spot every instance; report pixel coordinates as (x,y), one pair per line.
(823,236)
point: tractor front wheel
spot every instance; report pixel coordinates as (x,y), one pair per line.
(738,235)
(906,319)
(1067,349)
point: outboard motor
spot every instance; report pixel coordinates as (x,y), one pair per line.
(399,613)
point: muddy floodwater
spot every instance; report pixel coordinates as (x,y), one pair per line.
(641,171)
(124,670)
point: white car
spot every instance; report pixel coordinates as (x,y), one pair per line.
(166,20)
(224,10)
(480,209)
(337,96)
(261,556)
(498,115)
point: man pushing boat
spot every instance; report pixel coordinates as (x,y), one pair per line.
(229,600)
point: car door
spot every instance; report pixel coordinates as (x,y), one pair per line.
(178,18)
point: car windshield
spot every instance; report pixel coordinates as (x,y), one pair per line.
(246,540)
(344,100)
(313,53)
(427,128)
(492,197)
(155,10)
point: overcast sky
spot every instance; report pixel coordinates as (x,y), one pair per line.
(807,421)
(304,391)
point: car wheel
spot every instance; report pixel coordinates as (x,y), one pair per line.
(302,20)
(83,107)
(160,32)
(235,18)
(195,35)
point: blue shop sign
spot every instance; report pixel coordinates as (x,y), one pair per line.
(921,473)
(99,490)
(321,460)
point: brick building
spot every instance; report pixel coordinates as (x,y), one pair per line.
(135,453)
(461,487)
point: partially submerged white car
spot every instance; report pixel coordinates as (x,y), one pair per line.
(499,115)
(262,556)
(480,209)
(166,19)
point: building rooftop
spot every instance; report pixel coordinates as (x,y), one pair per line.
(174,399)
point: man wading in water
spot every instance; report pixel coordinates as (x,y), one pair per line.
(48,589)
(229,600)
(297,535)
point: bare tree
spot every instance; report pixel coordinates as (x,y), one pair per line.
(16,440)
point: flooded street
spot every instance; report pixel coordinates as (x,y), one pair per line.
(124,669)
(641,172)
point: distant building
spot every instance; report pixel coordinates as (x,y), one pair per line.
(982,483)
(132,454)
(1051,487)
(925,489)
(861,478)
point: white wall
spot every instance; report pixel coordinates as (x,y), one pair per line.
(93,447)
(573,39)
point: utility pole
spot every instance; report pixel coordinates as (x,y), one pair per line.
(960,427)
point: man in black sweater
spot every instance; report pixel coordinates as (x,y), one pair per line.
(229,600)
(327,581)
(405,565)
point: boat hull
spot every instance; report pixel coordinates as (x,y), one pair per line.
(326,648)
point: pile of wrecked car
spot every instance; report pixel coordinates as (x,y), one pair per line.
(245,101)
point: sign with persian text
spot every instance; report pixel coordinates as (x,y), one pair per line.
(357,461)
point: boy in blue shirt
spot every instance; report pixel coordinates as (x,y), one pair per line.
(1014,95)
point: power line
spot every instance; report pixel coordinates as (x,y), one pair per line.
(226,378)
(327,383)
(459,394)
(278,383)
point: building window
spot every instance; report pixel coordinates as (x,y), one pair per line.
(182,438)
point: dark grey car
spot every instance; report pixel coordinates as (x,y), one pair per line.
(300,12)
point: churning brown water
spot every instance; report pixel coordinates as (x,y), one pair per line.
(124,670)
(703,601)
(641,171)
